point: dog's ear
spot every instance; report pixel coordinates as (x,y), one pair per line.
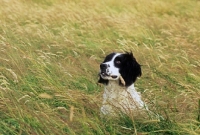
(130,69)
(103,81)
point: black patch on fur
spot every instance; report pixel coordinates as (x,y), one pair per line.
(130,69)
(103,81)
(109,57)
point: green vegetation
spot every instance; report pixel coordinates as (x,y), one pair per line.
(50,52)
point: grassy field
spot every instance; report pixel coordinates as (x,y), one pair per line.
(50,52)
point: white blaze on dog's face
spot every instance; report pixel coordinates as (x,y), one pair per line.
(109,69)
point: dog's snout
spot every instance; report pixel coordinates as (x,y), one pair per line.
(103,66)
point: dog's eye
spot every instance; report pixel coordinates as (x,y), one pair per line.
(118,62)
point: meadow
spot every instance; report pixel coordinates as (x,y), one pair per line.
(50,51)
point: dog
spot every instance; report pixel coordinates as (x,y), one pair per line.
(118,72)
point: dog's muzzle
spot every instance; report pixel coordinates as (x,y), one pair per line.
(104,71)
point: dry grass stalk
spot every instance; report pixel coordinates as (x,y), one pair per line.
(71,115)
(45,95)
(122,80)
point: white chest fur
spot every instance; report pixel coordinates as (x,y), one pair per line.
(118,98)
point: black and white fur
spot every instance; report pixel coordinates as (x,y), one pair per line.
(118,97)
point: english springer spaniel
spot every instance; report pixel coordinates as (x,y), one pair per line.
(118,72)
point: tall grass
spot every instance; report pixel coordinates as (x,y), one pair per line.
(50,52)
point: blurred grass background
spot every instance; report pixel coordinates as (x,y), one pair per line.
(50,52)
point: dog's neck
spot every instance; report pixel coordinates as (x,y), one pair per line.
(113,86)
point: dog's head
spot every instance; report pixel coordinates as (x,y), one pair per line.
(119,64)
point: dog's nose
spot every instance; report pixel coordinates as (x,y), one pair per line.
(103,66)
